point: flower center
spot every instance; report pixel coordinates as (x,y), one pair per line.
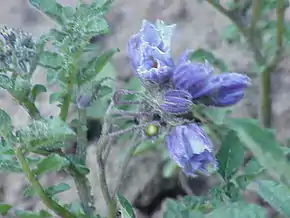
(154,62)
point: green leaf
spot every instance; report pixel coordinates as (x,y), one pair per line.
(30,214)
(230,156)
(4,208)
(145,147)
(5,82)
(8,163)
(37,89)
(52,190)
(95,66)
(52,76)
(202,55)
(277,195)
(238,210)
(261,142)
(231,33)
(169,169)
(51,60)
(44,132)
(52,163)
(216,115)
(21,89)
(5,123)
(51,8)
(79,167)
(56,96)
(125,207)
(251,172)
(174,209)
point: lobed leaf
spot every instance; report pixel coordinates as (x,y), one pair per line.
(125,207)
(44,132)
(277,195)
(202,55)
(4,208)
(52,163)
(230,156)
(5,123)
(261,142)
(52,190)
(238,210)
(52,9)
(30,214)
(95,66)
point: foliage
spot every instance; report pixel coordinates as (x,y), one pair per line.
(86,81)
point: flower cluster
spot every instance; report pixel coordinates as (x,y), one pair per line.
(17,51)
(182,83)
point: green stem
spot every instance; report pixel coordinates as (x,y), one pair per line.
(32,109)
(255,18)
(48,202)
(82,183)
(67,101)
(280,11)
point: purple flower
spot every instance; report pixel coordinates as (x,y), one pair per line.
(190,148)
(84,100)
(149,52)
(176,102)
(224,89)
(191,76)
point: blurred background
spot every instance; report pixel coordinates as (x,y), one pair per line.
(198,26)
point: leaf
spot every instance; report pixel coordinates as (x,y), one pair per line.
(238,210)
(277,195)
(52,163)
(30,214)
(4,208)
(231,33)
(52,76)
(5,123)
(52,190)
(95,66)
(51,8)
(174,209)
(202,55)
(21,89)
(261,142)
(44,132)
(217,115)
(169,169)
(50,60)
(144,147)
(54,97)
(251,172)
(37,89)
(230,156)
(5,82)
(125,207)
(8,163)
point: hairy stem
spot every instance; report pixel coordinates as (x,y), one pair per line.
(67,101)
(81,181)
(32,110)
(280,11)
(48,202)
(102,142)
(255,18)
